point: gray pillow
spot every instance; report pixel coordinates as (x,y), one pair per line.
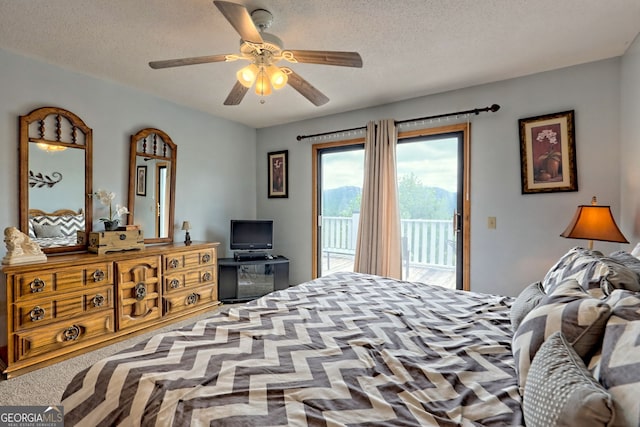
(526,301)
(560,391)
(568,309)
(43,230)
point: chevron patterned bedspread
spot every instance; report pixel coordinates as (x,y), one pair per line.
(345,350)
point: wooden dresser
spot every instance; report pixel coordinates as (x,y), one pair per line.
(76,303)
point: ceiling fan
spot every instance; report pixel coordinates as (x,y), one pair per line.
(263,51)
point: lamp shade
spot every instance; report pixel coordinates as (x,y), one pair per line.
(277,77)
(247,75)
(263,86)
(186,225)
(594,223)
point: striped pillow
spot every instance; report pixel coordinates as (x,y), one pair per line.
(619,365)
(568,309)
(32,232)
(597,274)
(628,260)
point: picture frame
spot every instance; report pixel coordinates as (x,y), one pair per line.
(548,153)
(278,174)
(141,181)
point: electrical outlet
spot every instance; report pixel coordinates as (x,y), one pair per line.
(491,223)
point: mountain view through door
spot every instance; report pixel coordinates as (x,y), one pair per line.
(428,188)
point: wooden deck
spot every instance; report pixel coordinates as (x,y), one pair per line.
(441,276)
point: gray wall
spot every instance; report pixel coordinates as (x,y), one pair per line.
(630,142)
(210,149)
(526,241)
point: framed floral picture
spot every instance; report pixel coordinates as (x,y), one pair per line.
(548,153)
(278,174)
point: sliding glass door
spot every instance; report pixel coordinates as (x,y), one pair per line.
(340,178)
(430,186)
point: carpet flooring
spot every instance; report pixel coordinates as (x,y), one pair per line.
(44,387)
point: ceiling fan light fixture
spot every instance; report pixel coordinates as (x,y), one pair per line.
(263,86)
(247,75)
(50,148)
(263,50)
(277,77)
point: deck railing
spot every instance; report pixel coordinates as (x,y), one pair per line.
(425,242)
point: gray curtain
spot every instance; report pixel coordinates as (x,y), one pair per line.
(378,249)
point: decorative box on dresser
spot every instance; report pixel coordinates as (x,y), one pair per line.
(76,303)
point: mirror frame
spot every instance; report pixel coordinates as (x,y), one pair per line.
(41,114)
(154,153)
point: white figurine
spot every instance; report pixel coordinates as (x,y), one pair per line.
(20,248)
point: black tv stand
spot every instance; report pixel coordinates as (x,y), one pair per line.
(240,281)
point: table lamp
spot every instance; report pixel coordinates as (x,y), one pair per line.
(186,226)
(593,222)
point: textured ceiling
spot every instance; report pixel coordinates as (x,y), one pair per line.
(409,48)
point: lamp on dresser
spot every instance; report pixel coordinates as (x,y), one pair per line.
(186,226)
(593,222)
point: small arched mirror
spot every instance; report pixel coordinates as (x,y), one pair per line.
(55,179)
(152,182)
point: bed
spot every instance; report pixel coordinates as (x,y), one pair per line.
(54,229)
(353,349)
(347,349)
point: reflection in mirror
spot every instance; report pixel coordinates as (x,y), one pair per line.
(55,179)
(152,177)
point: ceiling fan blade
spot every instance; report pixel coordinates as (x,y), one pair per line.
(327,57)
(186,61)
(237,93)
(305,89)
(240,19)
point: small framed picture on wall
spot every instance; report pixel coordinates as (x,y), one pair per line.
(548,153)
(141,182)
(278,174)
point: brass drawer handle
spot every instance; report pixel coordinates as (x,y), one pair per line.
(123,236)
(37,313)
(98,300)
(37,285)
(98,275)
(141,291)
(206,276)
(71,333)
(206,258)
(173,263)
(174,283)
(192,299)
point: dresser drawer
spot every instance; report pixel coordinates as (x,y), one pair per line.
(138,291)
(191,259)
(41,284)
(179,280)
(32,314)
(60,337)
(189,300)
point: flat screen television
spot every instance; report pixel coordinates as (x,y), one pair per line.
(251,234)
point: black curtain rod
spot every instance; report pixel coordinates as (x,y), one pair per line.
(493,108)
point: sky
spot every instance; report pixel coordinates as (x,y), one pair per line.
(434,162)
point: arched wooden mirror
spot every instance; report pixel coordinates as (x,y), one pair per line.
(55,179)
(152,183)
